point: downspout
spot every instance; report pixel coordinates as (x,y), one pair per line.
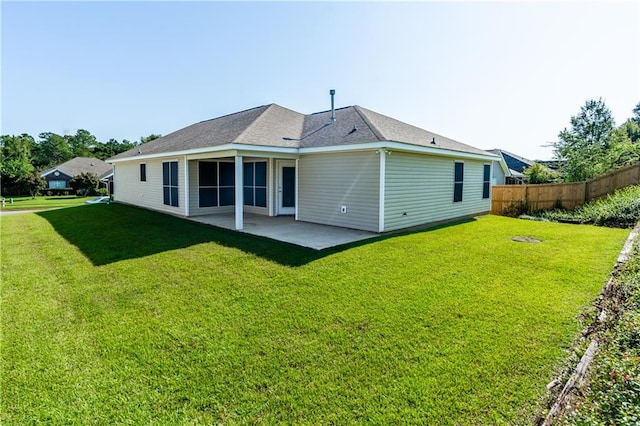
(383,168)
(296,191)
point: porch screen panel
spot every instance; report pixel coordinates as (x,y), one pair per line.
(170,183)
(255,184)
(248,183)
(227,184)
(208,184)
(261,184)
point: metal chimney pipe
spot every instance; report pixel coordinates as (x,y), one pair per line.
(332,92)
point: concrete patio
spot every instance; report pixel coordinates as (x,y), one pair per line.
(287,229)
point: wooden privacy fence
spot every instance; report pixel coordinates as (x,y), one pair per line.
(531,198)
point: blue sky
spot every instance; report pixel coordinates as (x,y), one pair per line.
(493,75)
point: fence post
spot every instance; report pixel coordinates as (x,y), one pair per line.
(586,191)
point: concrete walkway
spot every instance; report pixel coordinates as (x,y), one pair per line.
(287,229)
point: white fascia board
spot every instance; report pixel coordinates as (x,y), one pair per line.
(280,152)
(62,172)
(503,166)
(399,146)
(231,148)
(48,172)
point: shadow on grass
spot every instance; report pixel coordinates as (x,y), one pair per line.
(108,233)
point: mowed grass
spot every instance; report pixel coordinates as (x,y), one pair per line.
(42,202)
(117,315)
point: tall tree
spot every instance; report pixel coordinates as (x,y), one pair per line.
(583,146)
(145,139)
(622,150)
(50,150)
(82,143)
(636,114)
(632,125)
(15,159)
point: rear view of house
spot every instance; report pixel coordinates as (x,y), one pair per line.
(349,167)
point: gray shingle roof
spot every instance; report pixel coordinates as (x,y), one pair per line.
(372,127)
(78,165)
(275,126)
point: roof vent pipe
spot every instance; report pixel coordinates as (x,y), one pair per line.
(332,92)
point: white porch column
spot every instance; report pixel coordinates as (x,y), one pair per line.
(239,194)
(271,187)
(296,190)
(383,169)
(186,187)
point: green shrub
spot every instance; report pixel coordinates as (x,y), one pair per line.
(516,208)
(85,184)
(620,210)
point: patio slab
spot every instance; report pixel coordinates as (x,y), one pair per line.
(289,230)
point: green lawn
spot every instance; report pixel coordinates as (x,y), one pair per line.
(42,202)
(112,314)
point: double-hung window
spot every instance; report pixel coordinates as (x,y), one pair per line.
(170,183)
(458,179)
(486,181)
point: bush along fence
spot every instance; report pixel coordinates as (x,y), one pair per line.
(514,200)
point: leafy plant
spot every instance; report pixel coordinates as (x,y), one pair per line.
(516,208)
(33,183)
(85,184)
(620,209)
(539,173)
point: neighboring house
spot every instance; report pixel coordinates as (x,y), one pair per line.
(60,176)
(351,167)
(515,165)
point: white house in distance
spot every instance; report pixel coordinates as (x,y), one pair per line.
(350,167)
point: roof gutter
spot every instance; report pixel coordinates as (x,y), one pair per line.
(396,146)
(213,150)
(400,146)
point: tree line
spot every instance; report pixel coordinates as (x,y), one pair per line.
(23,157)
(591,146)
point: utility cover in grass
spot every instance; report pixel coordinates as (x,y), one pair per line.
(526,240)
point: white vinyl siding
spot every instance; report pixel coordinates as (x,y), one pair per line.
(326,182)
(419,190)
(129,189)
